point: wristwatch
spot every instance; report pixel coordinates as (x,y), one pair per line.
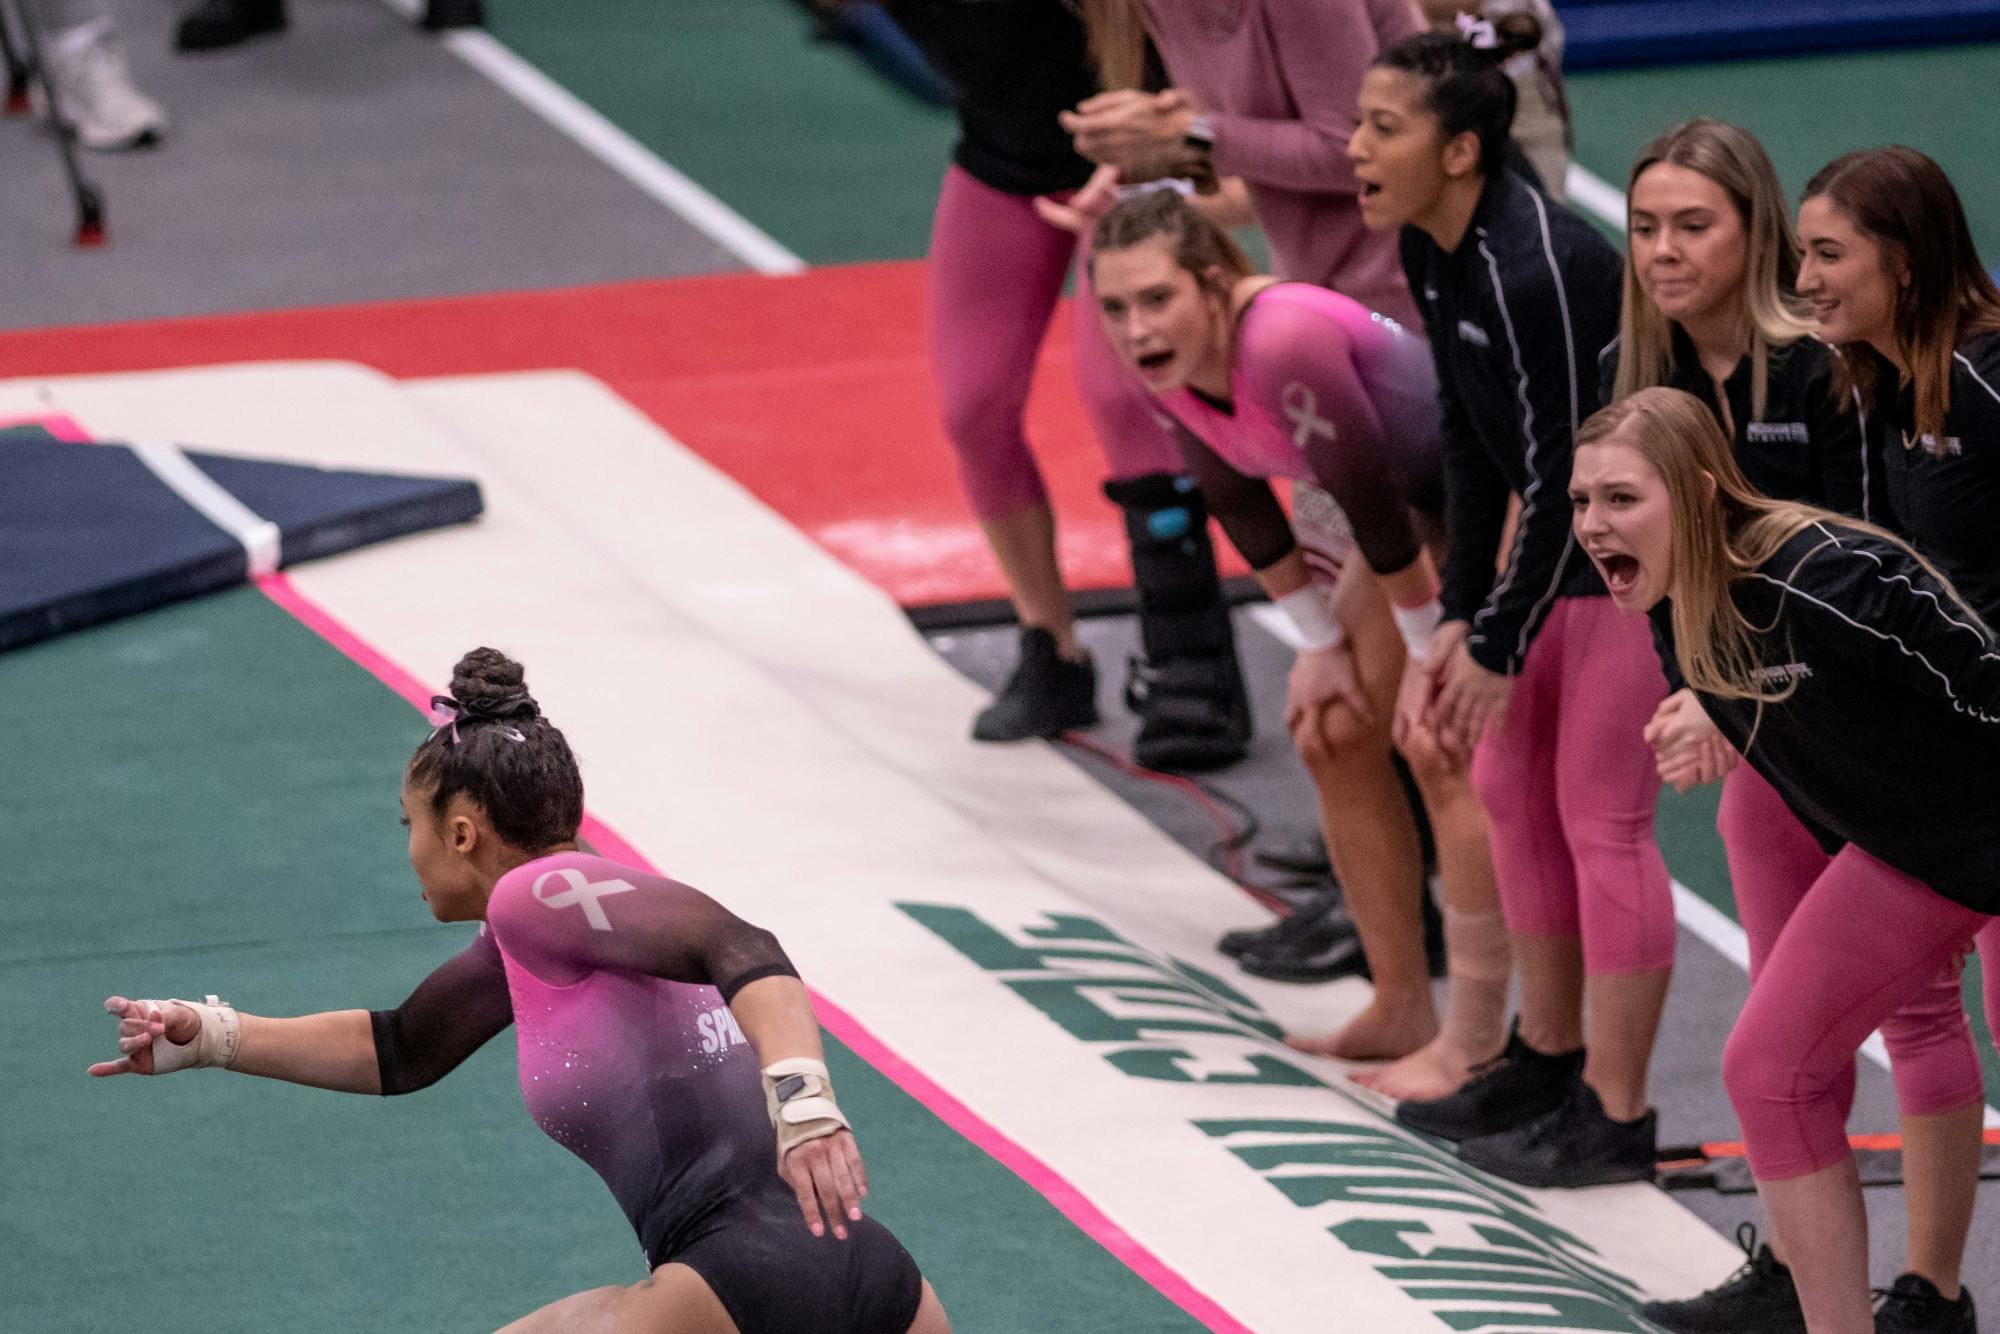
(1200,135)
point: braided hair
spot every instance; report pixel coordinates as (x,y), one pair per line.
(1464,86)
(494,746)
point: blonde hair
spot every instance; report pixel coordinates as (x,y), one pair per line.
(1117,40)
(1773,315)
(1723,530)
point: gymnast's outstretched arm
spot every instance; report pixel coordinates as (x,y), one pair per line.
(451,1014)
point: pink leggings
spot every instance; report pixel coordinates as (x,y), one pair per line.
(1864,943)
(996,270)
(1773,864)
(1570,787)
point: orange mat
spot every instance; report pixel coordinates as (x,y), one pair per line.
(813,391)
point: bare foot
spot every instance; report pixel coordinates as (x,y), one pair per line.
(1432,1072)
(1376,1034)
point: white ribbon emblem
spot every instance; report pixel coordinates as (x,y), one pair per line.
(582,891)
(1301,406)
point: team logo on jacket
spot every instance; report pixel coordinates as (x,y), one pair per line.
(1473,334)
(1778,433)
(582,890)
(1783,674)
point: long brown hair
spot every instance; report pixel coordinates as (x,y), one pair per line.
(1773,315)
(1907,205)
(1723,530)
(1199,245)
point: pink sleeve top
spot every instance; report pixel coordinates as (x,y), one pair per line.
(649,1081)
(1327,391)
(1278,80)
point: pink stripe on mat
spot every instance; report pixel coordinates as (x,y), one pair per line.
(1045,1180)
(57,425)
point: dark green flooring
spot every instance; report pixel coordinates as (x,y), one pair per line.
(204,799)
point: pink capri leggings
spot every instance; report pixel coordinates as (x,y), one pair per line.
(1773,865)
(996,271)
(1569,784)
(1865,942)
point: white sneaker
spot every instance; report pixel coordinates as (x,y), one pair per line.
(87,66)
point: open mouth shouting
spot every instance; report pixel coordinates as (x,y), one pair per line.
(1620,573)
(1154,363)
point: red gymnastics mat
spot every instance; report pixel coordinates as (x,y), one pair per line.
(813,392)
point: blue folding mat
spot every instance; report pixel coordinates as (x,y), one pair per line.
(92,532)
(1601,34)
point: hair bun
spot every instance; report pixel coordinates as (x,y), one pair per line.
(1518,31)
(488,681)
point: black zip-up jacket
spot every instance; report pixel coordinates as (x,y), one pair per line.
(1944,495)
(1012,65)
(1804,447)
(1517,316)
(1890,739)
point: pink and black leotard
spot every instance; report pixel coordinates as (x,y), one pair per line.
(1322,390)
(631,1060)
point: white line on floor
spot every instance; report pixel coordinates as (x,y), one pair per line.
(1595,195)
(612,146)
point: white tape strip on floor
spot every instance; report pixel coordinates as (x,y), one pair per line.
(764,724)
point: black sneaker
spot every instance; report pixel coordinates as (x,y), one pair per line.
(1324,947)
(1758,1296)
(1518,1085)
(214,24)
(444,15)
(1046,696)
(1914,1306)
(1303,856)
(1281,933)
(1575,1145)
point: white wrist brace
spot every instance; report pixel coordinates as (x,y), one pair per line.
(799,1096)
(214,1043)
(1311,613)
(1418,624)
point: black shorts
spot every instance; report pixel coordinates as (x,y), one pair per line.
(774,1277)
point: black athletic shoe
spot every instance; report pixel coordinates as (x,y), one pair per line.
(1758,1296)
(442,15)
(1281,933)
(1320,949)
(1518,1085)
(214,24)
(1306,856)
(1574,1145)
(1914,1306)
(1046,695)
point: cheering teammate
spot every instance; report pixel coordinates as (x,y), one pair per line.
(1535,667)
(1850,674)
(644,1009)
(996,271)
(1276,379)
(1711,307)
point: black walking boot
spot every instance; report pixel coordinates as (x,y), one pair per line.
(1187,690)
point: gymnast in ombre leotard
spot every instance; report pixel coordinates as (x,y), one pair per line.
(1274,379)
(643,1011)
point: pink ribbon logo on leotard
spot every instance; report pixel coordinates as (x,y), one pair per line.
(1301,406)
(581,890)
